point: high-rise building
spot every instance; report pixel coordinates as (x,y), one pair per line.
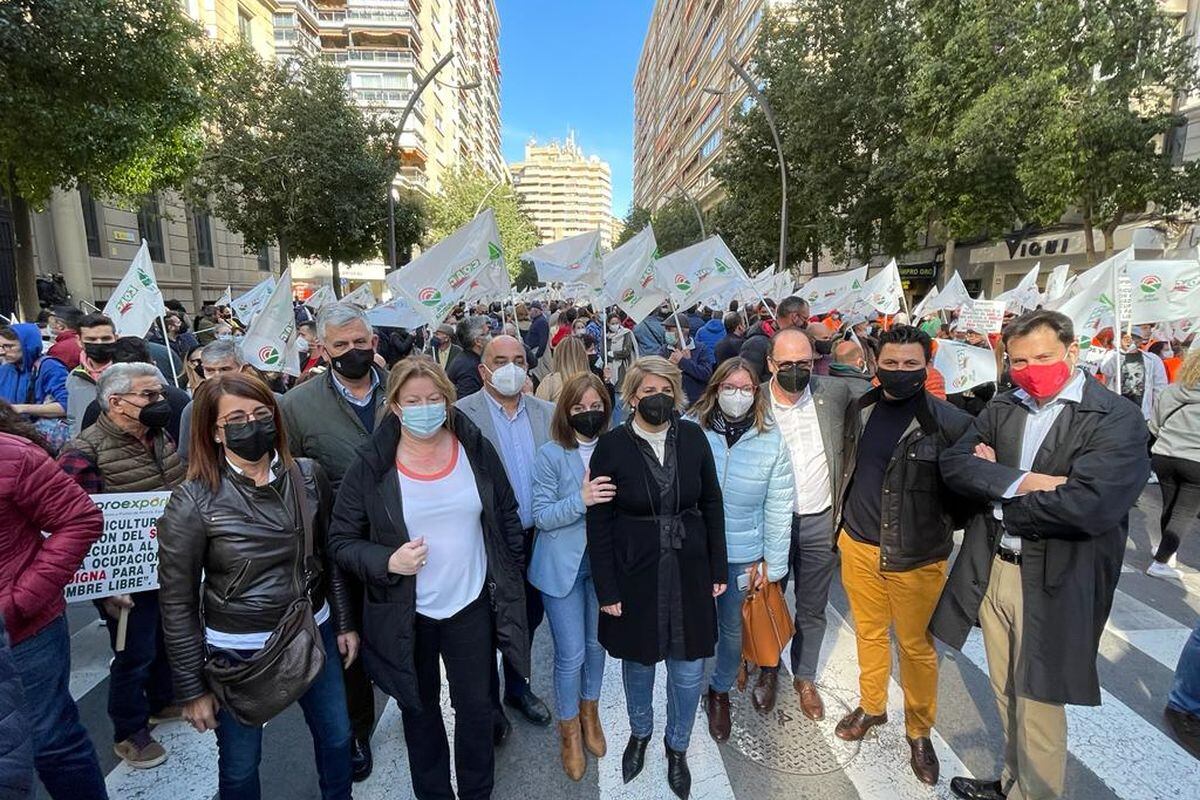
(684,93)
(563,191)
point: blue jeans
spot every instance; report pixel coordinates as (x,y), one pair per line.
(1185,693)
(578,656)
(728,659)
(684,681)
(239,747)
(64,755)
(139,677)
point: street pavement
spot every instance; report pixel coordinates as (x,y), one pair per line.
(1118,750)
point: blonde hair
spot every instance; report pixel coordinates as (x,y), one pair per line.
(658,367)
(705,407)
(1189,373)
(420,366)
(570,358)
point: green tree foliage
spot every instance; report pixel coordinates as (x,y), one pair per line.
(108,92)
(468,191)
(675,225)
(636,218)
(293,160)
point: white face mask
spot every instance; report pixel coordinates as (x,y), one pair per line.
(734,404)
(509,379)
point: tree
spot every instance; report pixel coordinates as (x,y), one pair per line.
(465,193)
(293,160)
(636,218)
(675,225)
(107,92)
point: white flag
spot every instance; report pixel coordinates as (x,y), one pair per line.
(270,341)
(1056,284)
(1024,295)
(136,302)
(827,293)
(246,307)
(1164,291)
(574,259)
(1089,303)
(322,297)
(630,279)
(227,298)
(362,297)
(696,273)
(883,293)
(951,297)
(438,278)
(395,313)
(492,283)
(963,366)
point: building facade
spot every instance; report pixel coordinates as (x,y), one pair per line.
(685,93)
(564,192)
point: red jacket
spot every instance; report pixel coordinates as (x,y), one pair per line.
(36,496)
(66,348)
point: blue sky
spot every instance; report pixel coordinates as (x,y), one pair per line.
(570,64)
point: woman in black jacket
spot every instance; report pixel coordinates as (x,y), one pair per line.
(426,518)
(230,563)
(658,559)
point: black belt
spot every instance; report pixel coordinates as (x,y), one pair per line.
(1011,556)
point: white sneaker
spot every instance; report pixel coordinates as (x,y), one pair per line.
(1159,570)
(1153,478)
(1172,561)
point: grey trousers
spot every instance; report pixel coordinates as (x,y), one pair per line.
(813,562)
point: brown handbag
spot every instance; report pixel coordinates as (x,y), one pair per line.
(256,689)
(766,621)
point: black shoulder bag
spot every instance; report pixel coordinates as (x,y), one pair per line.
(259,688)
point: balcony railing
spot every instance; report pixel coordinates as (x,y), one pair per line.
(373,58)
(372,17)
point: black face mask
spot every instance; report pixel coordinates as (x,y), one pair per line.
(901,383)
(251,440)
(823,346)
(656,409)
(588,424)
(354,363)
(793,380)
(155,415)
(100,352)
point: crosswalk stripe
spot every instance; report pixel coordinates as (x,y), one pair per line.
(1147,629)
(1127,753)
(90,654)
(881,770)
(189,773)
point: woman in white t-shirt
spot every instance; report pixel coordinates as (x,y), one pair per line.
(426,518)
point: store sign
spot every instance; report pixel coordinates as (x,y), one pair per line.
(918,272)
(1037,248)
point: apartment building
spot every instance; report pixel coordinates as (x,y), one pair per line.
(563,191)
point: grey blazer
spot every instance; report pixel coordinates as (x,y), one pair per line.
(475,406)
(831,396)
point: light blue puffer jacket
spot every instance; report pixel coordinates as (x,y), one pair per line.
(758,491)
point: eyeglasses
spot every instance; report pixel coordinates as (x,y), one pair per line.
(261,414)
(744,391)
(149,395)
(8,345)
(792,364)
(195,364)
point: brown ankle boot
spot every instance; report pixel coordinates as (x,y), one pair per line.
(589,723)
(571,749)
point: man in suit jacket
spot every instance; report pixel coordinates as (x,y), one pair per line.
(810,413)
(517,425)
(1055,466)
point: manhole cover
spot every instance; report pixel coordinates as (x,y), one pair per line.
(787,741)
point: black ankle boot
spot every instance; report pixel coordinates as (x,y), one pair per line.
(679,778)
(634,758)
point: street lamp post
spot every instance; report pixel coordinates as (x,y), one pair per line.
(696,208)
(761,99)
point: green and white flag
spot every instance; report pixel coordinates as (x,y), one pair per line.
(826,293)
(1025,295)
(1056,284)
(699,272)
(951,297)
(136,302)
(438,278)
(322,297)
(1089,299)
(575,259)
(362,297)
(884,293)
(246,307)
(395,313)
(492,283)
(630,279)
(270,341)
(1164,291)
(963,366)
(227,298)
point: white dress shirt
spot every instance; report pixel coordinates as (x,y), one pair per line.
(802,436)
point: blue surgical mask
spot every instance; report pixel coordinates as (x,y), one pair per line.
(423,421)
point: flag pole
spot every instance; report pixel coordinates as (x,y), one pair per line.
(1118,361)
(170,353)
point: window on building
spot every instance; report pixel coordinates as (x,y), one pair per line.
(367,80)
(264,257)
(91,221)
(149,222)
(710,145)
(202,232)
(245,26)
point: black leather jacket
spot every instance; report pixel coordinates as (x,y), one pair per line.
(918,513)
(229,560)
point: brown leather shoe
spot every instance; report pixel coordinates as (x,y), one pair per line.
(589,724)
(763,693)
(716,706)
(855,725)
(924,760)
(571,749)
(810,700)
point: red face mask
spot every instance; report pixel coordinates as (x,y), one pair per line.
(1042,381)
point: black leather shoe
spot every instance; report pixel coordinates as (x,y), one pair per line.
(531,707)
(501,728)
(679,778)
(972,789)
(361,762)
(634,758)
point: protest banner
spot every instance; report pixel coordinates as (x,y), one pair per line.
(699,272)
(1163,291)
(982,316)
(630,280)
(136,302)
(125,557)
(964,366)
